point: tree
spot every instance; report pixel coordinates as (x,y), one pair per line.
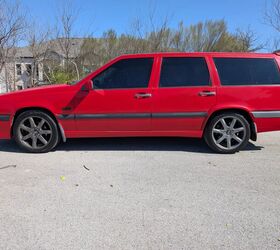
(12,27)
(272,18)
(38,45)
(203,36)
(247,41)
(63,42)
(152,35)
(91,54)
(212,36)
(207,36)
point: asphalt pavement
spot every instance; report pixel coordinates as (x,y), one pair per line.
(140,193)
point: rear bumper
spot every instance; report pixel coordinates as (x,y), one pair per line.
(5,127)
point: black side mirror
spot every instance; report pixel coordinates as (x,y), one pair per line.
(87,86)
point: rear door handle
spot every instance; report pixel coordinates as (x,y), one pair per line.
(142,95)
(206,93)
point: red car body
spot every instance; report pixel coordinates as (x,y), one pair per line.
(174,111)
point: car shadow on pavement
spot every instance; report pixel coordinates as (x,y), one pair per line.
(129,144)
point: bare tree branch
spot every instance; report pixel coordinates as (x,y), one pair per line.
(12,27)
(272,18)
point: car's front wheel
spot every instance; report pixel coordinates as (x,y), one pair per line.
(35,132)
(227,133)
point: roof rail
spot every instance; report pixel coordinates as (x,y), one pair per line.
(277,52)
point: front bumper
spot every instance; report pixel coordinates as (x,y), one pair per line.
(5,127)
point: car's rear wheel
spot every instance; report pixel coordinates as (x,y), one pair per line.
(36,132)
(227,133)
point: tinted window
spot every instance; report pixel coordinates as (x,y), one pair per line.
(125,74)
(247,71)
(184,71)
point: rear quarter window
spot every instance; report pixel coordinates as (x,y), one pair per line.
(247,71)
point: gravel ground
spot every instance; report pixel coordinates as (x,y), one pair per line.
(144,193)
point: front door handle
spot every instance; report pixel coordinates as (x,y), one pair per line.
(206,93)
(142,95)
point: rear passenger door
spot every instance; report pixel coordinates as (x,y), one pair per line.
(184,95)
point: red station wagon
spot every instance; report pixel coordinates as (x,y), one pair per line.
(226,98)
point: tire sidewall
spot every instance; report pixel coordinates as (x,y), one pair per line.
(55,135)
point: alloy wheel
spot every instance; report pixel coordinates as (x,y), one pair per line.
(35,132)
(229,132)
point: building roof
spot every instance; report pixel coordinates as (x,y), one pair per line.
(57,45)
(23,52)
(74,44)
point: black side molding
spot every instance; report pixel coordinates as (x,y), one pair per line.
(179,115)
(66,117)
(112,116)
(4,118)
(133,115)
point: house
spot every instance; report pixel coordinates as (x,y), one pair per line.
(17,72)
(23,70)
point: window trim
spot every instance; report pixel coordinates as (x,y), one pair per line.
(208,65)
(121,59)
(245,85)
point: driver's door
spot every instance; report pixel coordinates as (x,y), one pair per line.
(119,101)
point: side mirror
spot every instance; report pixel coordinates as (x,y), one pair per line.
(87,86)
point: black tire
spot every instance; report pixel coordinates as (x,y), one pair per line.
(216,131)
(47,136)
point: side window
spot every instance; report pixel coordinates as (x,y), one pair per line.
(125,74)
(18,69)
(184,71)
(247,71)
(28,69)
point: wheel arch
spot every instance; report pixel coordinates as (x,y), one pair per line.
(246,113)
(42,109)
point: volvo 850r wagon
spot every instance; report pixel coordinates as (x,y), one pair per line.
(225,98)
